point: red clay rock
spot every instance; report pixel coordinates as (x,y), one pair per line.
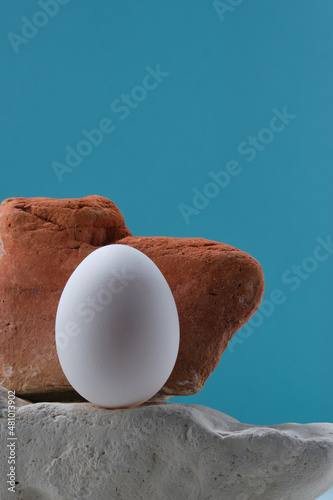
(217,288)
(42,241)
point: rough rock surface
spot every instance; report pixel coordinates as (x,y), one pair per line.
(163,451)
(217,289)
(42,241)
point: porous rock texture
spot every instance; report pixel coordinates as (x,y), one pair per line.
(217,288)
(162,451)
(42,241)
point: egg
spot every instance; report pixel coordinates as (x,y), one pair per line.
(117,328)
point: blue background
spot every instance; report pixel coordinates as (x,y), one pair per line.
(225,78)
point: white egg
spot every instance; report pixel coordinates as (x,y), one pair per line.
(117,328)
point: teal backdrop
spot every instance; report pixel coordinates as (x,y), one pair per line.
(198,119)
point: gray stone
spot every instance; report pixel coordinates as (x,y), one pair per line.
(162,451)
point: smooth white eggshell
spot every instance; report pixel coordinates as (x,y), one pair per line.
(117,328)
